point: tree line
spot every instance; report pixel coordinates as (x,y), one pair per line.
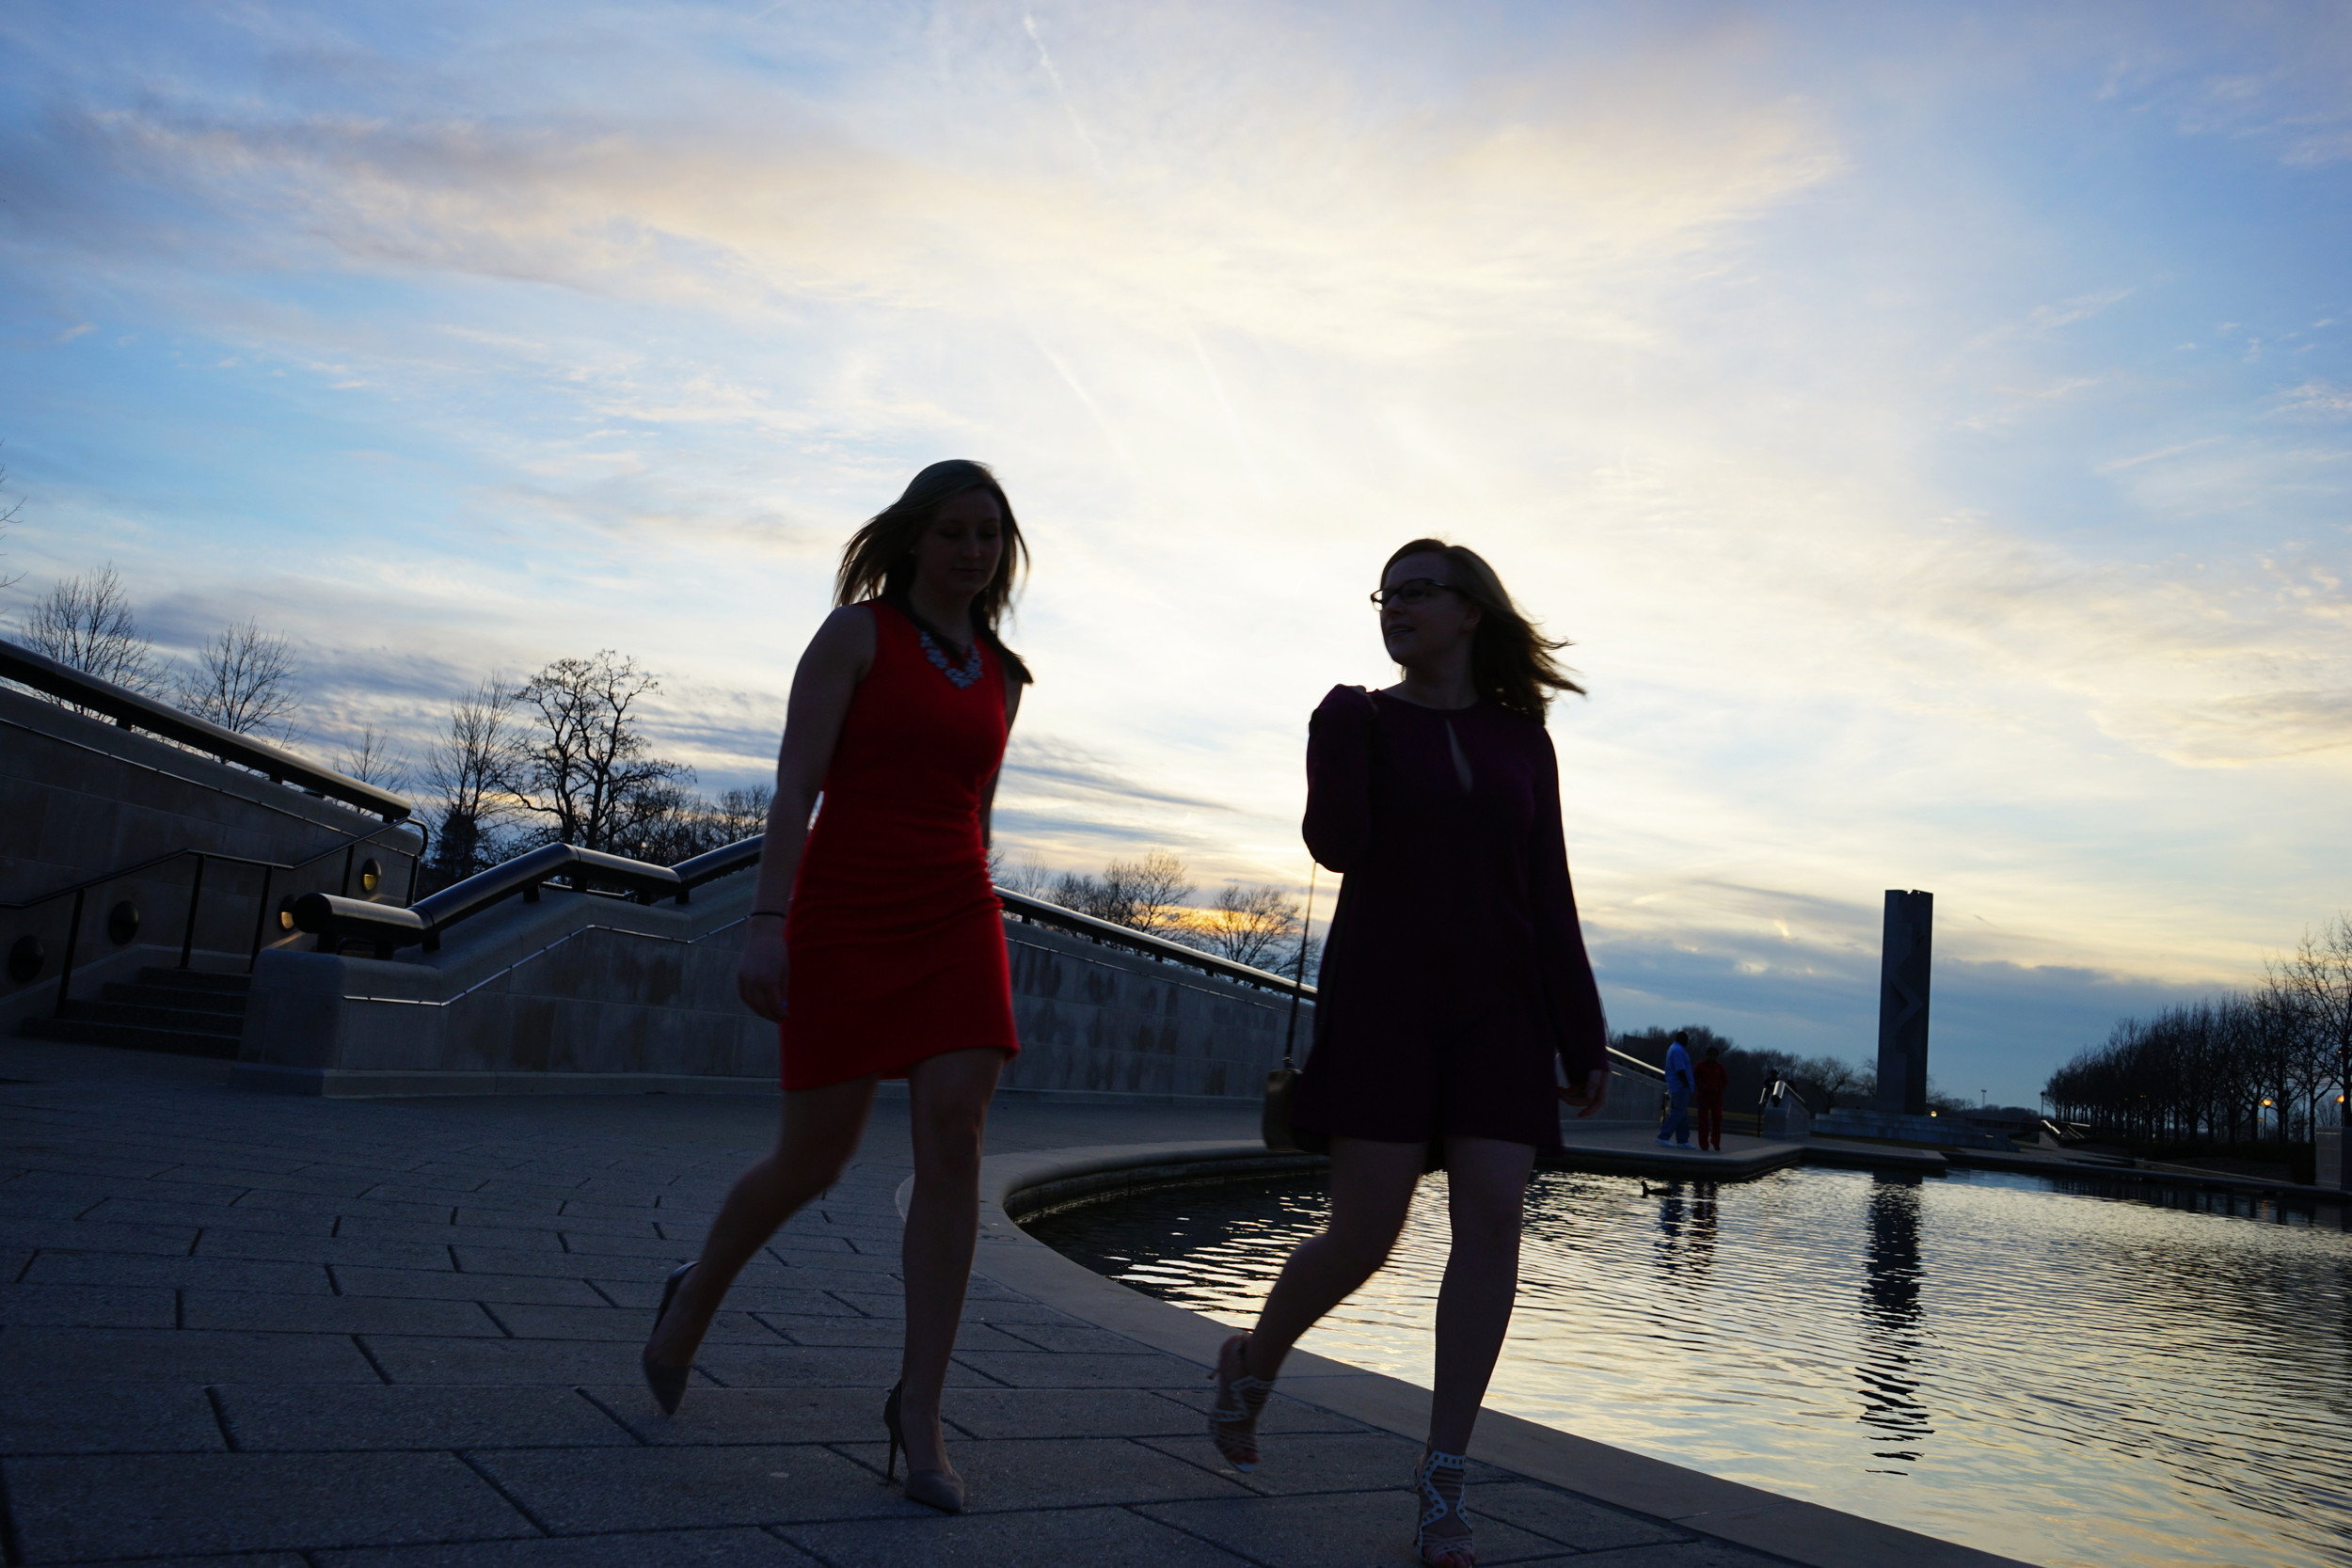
(2264,1063)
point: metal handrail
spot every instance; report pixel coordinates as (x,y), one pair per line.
(130,710)
(80,891)
(334,920)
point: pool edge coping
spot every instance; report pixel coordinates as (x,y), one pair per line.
(1812,1534)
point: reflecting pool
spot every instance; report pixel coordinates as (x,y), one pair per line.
(2069,1375)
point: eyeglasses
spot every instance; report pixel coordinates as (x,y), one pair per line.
(1412,591)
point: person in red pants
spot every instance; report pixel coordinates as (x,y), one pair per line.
(1714,1078)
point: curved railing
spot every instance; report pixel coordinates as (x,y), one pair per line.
(336,920)
(132,711)
(29,955)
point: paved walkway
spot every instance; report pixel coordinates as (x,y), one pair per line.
(266,1332)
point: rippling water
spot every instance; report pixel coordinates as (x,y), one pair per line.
(2066,1376)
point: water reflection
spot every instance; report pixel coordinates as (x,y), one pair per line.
(1686,1227)
(2086,1374)
(1891,1341)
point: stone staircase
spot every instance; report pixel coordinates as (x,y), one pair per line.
(185,1011)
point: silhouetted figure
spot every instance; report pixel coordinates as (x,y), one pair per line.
(1454,978)
(875,941)
(1712,1078)
(1680,1086)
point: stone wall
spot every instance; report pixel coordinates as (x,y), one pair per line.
(581,992)
(80,797)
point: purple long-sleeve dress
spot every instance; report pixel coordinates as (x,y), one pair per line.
(1454,973)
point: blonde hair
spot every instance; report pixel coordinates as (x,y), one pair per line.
(1511,662)
(878,563)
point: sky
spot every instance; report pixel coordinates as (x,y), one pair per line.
(1932,424)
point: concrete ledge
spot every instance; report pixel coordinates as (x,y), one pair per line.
(1802,1532)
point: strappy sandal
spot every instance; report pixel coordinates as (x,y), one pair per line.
(1240,1398)
(1439,1477)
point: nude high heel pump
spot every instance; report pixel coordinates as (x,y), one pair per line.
(667,1384)
(939,1489)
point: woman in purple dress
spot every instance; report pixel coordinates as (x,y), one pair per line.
(1453,979)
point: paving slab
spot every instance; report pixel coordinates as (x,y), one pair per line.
(1068,1472)
(88,1307)
(710,1416)
(151,1505)
(314,1314)
(309,1419)
(684,1548)
(499,1362)
(1320,1462)
(812,1366)
(592,1491)
(351,1279)
(81,1418)
(1333,1529)
(1096,1537)
(75,1356)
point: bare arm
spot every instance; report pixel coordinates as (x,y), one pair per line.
(837,659)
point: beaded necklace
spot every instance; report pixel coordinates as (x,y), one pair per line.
(964,677)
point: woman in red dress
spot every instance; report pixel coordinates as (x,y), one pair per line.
(1455,994)
(876,942)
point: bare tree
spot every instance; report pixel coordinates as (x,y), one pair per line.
(2320,975)
(741,814)
(465,770)
(7,515)
(584,766)
(85,624)
(1255,926)
(1154,889)
(244,680)
(375,759)
(1028,874)
(1837,1078)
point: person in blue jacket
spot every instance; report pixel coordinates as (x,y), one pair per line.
(1679,1084)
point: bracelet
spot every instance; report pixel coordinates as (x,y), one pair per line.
(780,914)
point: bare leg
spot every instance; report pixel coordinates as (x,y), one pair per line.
(1372,1189)
(1485,1189)
(949,1097)
(819,1131)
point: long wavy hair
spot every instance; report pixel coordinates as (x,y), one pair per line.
(878,563)
(1511,662)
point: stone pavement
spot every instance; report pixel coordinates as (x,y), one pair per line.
(260,1331)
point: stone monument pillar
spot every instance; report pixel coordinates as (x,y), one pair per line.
(1903,969)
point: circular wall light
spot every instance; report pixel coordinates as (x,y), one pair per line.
(371,874)
(285,913)
(25,958)
(122,923)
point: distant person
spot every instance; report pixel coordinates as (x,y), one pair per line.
(1713,1079)
(1679,1083)
(1453,979)
(875,941)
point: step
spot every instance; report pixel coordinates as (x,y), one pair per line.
(83,1031)
(220,1002)
(195,979)
(201,1021)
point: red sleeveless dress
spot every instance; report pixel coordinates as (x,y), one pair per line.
(896,935)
